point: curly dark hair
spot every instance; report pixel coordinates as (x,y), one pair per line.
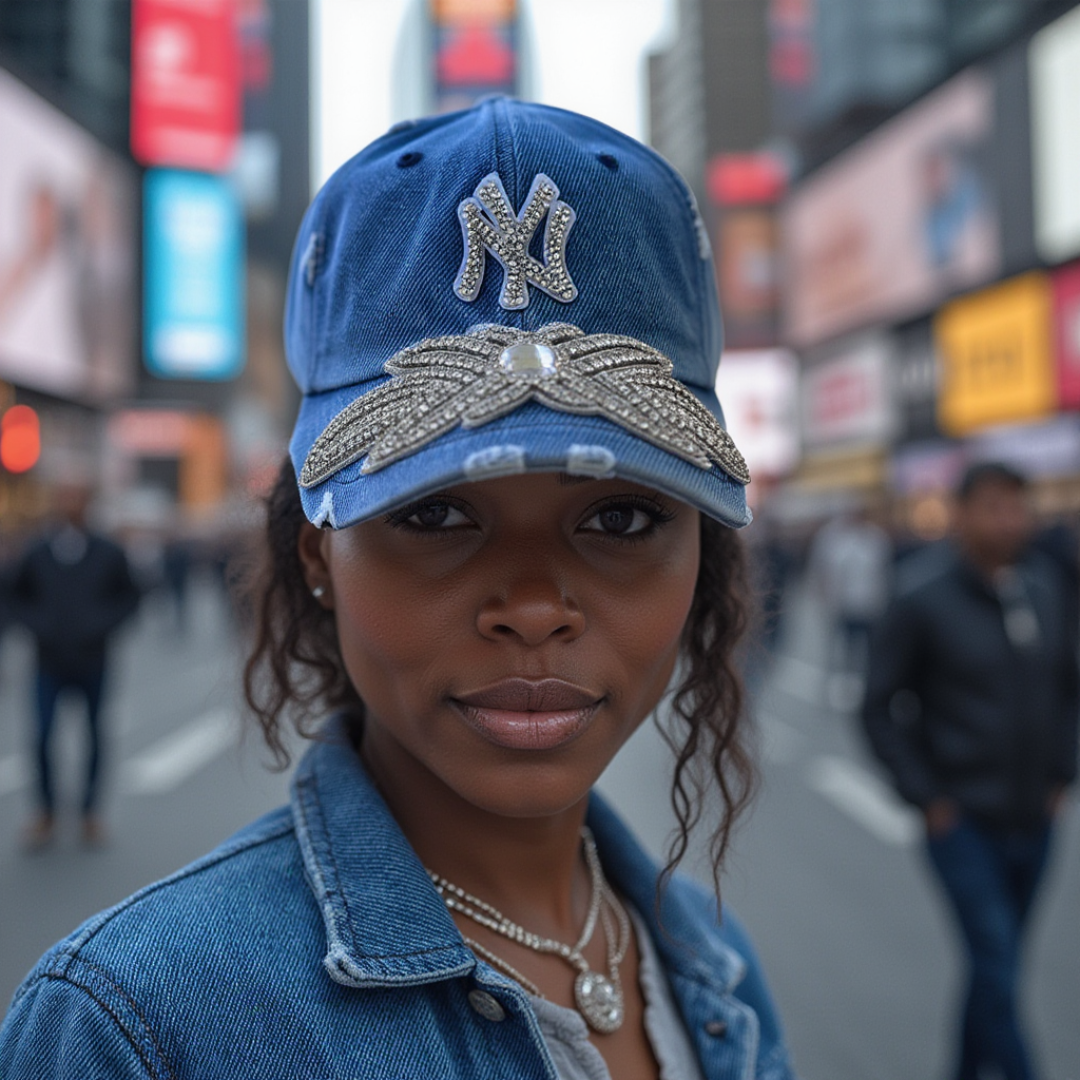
(295,672)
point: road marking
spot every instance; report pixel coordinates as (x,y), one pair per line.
(180,754)
(798,678)
(14,773)
(865,799)
(206,673)
(781,743)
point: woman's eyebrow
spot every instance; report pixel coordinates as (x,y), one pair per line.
(568,478)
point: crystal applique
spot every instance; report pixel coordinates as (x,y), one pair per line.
(489,225)
(467,380)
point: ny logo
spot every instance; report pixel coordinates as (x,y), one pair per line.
(489,224)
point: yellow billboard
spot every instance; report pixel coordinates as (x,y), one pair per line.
(996,353)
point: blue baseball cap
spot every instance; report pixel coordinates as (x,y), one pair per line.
(511,288)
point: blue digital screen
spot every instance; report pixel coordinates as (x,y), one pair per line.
(194,276)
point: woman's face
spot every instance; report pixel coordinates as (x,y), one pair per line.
(508,636)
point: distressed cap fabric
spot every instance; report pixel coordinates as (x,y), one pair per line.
(511,288)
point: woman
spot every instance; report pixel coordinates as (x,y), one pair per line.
(504,530)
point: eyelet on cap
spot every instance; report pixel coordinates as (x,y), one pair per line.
(609,161)
(410,157)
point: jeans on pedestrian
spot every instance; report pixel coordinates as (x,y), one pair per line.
(49,687)
(990,877)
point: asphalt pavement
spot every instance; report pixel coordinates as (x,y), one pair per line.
(827,870)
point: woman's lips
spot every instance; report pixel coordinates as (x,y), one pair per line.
(523,715)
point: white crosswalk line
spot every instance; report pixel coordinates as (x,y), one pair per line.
(781,743)
(864,798)
(180,754)
(14,773)
(799,679)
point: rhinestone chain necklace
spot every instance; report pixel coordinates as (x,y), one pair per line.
(599,998)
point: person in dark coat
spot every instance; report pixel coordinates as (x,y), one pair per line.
(72,588)
(972,706)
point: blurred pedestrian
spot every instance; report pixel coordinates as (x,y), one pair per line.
(971,704)
(72,588)
(772,564)
(176,563)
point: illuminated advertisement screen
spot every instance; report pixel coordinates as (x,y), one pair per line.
(900,221)
(997,355)
(185,83)
(1066,286)
(1055,94)
(67,287)
(760,392)
(847,397)
(475,51)
(194,265)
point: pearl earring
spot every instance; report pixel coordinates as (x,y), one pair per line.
(319,592)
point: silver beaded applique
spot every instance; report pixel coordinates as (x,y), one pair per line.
(474,378)
(488,223)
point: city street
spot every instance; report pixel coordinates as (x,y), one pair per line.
(827,870)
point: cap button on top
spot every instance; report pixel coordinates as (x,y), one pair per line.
(483,1003)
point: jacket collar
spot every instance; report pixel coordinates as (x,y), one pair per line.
(387,926)
(385,923)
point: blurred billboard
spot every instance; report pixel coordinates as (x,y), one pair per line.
(1066,286)
(899,221)
(743,190)
(847,395)
(67,288)
(997,357)
(793,60)
(194,267)
(915,383)
(476,50)
(1055,94)
(185,83)
(760,392)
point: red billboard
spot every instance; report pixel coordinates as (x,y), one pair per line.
(1066,286)
(185,83)
(475,51)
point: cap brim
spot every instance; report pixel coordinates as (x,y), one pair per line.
(531,439)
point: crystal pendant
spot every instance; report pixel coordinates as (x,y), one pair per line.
(529,356)
(600,1001)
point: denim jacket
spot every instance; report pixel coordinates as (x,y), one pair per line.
(313,945)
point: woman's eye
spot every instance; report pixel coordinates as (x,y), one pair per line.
(436,515)
(620,520)
(432,515)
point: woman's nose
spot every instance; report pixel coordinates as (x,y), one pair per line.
(532,611)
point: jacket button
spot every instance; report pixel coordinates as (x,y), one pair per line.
(716,1028)
(483,1003)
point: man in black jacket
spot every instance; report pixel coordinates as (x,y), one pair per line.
(972,705)
(72,589)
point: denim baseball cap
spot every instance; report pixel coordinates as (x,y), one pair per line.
(511,288)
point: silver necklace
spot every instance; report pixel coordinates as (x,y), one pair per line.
(599,997)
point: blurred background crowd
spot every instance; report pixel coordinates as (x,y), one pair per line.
(891,190)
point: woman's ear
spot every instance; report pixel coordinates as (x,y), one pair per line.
(311,548)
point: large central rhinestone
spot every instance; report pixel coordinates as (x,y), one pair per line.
(528,356)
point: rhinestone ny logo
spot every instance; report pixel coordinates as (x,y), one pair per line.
(489,223)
